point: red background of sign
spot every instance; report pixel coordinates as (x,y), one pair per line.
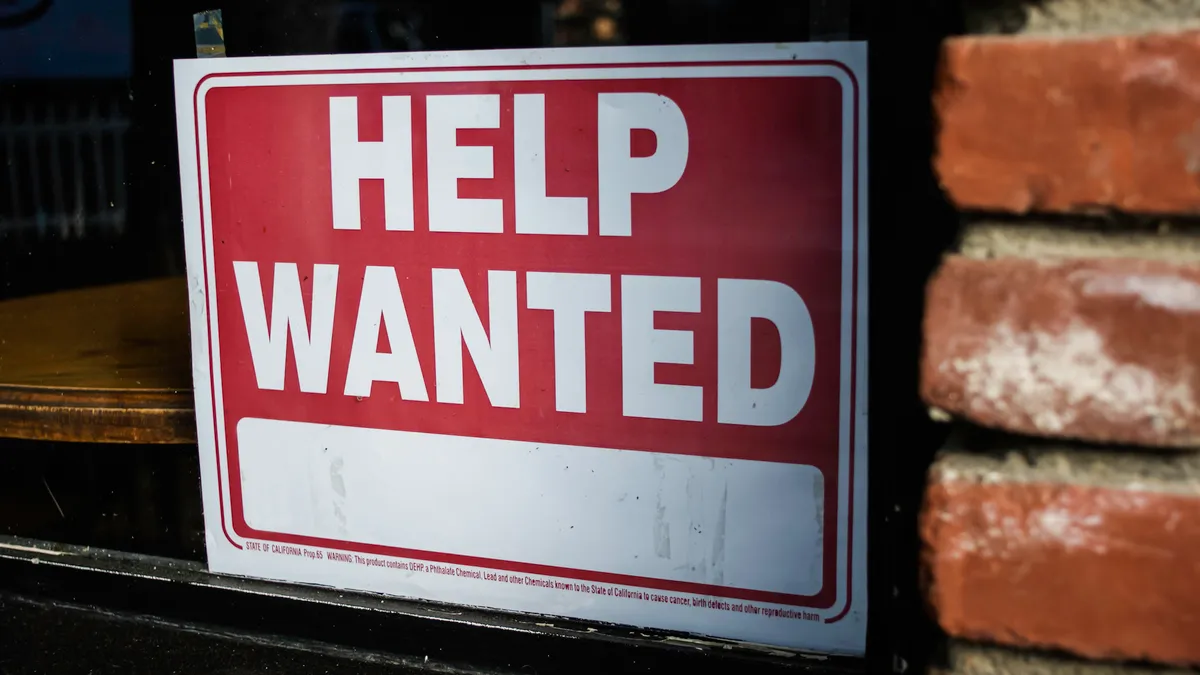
(760,199)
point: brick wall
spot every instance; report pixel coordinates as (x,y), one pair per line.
(1062,338)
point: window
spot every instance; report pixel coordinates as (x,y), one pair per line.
(97,438)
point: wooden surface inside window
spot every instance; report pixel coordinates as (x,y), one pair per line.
(108,364)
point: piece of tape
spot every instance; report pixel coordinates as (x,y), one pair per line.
(210,34)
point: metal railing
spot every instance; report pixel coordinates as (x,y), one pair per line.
(62,167)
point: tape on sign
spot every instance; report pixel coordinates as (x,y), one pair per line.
(210,34)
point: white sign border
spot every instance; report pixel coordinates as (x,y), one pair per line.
(844,627)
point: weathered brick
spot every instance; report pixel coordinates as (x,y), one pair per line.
(1096,554)
(1100,349)
(1071,124)
(1076,17)
(965,658)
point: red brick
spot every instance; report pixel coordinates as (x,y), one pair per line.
(1098,349)
(1074,124)
(1066,551)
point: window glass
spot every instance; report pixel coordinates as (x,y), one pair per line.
(89,196)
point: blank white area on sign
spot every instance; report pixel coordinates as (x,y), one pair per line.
(735,523)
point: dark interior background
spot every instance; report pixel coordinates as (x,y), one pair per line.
(89,188)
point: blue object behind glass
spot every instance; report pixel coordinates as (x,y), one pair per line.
(65,39)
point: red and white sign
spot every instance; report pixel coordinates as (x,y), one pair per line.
(571,332)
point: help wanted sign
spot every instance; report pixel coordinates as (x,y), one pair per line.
(569,332)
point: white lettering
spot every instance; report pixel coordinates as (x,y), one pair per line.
(642,345)
(623,175)
(739,301)
(570,297)
(456,322)
(382,307)
(268,348)
(537,213)
(390,159)
(448,162)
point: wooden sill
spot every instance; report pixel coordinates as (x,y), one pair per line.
(110,364)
